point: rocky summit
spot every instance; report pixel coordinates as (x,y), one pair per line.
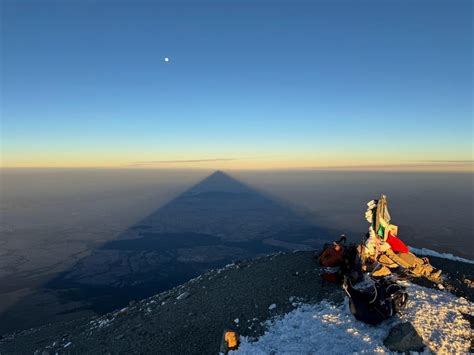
(190,319)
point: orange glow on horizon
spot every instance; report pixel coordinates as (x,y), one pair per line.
(273,163)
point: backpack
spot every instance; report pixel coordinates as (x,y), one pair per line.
(337,260)
(382,301)
(332,254)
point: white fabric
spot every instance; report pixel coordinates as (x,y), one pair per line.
(374,246)
(371,204)
(369,214)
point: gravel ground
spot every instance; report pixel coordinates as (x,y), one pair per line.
(190,319)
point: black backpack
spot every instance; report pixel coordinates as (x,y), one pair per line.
(385,299)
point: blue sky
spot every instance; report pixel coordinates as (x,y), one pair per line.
(85,82)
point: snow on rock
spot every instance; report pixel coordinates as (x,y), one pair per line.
(103,323)
(429,252)
(272,306)
(329,329)
(183,296)
(309,328)
(437,317)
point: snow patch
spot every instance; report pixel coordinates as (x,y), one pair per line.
(272,306)
(103,323)
(436,315)
(183,296)
(429,252)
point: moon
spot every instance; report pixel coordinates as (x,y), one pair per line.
(167,59)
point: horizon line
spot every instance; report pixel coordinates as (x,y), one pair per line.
(447,167)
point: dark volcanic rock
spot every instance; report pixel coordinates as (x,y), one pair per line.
(404,338)
(190,318)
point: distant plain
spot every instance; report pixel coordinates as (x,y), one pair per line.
(53,218)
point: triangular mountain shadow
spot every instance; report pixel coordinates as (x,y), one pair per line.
(219,182)
(215,222)
(226,208)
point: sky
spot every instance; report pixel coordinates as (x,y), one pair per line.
(281,84)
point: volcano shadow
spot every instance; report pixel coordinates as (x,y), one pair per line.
(215,222)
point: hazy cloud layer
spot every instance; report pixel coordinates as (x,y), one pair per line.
(151,162)
(448,161)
